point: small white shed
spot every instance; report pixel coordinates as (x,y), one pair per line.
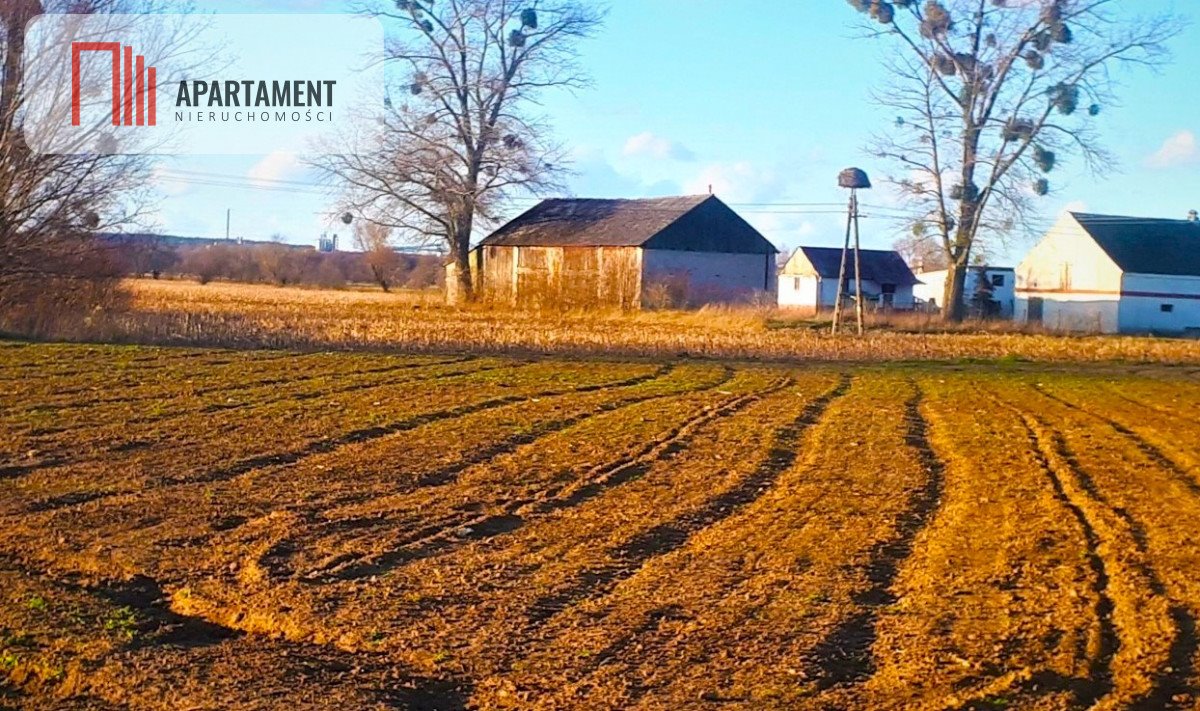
(1113,274)
(987,290)
(809,279)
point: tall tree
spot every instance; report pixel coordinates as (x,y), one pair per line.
(466,134)
(989,97)
(51,202)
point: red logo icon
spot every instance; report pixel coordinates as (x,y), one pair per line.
(142,95)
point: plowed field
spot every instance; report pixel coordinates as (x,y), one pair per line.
(201,529)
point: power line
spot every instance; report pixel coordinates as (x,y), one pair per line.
(300,187)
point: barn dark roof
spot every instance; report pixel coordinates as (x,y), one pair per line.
(879,266)
(698,223)
(1143,245)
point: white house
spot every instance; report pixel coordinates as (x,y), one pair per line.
(809,279)
(1113,274)
(987,290)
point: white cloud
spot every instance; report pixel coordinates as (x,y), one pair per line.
(760,195)
(278,165)
(1180,149)
(737,182)
(650,145)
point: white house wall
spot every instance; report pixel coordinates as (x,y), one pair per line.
(1005,295)
(798,291)
(1078,312)
(1078,283)
(902,299)
(713,276)
(1143,299)
(933,287)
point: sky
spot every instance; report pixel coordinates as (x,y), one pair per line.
(764,101)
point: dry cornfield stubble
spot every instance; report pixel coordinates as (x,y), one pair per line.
(258,316)
(189,528)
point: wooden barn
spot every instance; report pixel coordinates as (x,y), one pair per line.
(1113,274)
(809,279)
(676,251)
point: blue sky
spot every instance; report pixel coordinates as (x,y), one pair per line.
(766,101)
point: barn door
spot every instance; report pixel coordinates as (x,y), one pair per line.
(1036,309)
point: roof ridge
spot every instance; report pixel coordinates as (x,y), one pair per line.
(861,249)
(1132,218)
(625,199)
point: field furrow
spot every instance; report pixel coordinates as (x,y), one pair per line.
(100,435)
(1156,665)
(224,529)
(228,444)
(1170,441)
(686,625)
(86,370)
(487,500)
(338,492)
(1001,600)
(117,398)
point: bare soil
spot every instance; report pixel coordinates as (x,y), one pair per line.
(214,529)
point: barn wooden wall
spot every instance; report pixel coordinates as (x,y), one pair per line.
(566,276)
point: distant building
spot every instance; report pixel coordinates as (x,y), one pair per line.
(1113,274)
(629,253)
(810,277)
(327,244)
(135,239)
(987,291)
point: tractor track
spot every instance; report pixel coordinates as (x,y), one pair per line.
(634,554)
(1178,472)
(1172,682)
(1100,675)
(1183,651)
(446,535)
(1169,412)
(449,474)
(844,656)
(631,557)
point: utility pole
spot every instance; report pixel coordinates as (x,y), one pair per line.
(851,178)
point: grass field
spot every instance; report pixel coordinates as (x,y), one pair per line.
(220,529)
(258,316)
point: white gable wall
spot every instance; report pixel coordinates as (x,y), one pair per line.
(799,291)
(1078,284)
(799,284)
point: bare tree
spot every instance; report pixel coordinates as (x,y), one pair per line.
(990,96)
(52,201)
(466,136)
(375,242)
(921,248)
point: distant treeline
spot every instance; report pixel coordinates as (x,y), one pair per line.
(274,263)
